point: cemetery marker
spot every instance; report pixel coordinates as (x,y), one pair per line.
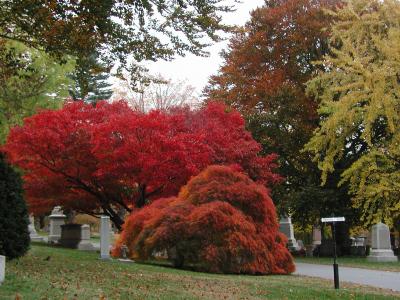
(333,220)
(2,268)
(105,237)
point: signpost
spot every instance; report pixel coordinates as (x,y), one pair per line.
(333,220)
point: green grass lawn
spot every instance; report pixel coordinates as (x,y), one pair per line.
(95,239)
(55,273)
(357,262)
(42,233)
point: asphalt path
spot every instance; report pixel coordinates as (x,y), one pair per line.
(375,278)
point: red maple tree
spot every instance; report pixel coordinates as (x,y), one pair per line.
(222,222)
(99,159)
(54,149)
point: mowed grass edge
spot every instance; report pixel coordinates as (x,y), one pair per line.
(56,273)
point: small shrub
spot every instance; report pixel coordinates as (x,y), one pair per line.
(14,234)
(221,222)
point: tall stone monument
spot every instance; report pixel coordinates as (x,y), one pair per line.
(57,218)
(2,268)
(286,227)
(32,231)
(105,237)
(381,250)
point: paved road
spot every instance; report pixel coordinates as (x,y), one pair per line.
(380,279)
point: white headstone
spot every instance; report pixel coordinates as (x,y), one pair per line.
(381,250)
(286,227)
(2,268)
(57,218)
(32,231)
(380,235)
(85,243)
(105,237)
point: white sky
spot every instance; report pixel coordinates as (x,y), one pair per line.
(196,70)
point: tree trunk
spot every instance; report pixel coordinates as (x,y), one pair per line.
(141,201)
(114,217)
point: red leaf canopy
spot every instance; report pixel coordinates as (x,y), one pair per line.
(98,159)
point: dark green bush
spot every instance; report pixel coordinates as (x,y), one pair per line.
(14,234)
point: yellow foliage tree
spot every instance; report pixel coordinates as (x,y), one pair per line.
(359,94)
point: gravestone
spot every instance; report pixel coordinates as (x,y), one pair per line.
(358,246)
(316,236)
(286,227)
(70,235)
(76,236)
(326,248)
(105,237)
(57,218)
(359,241)
(85,243)
(124,255)
(2,268)
(381,249)
(32,231)
(301,244)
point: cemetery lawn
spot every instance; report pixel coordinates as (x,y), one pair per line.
(55,273)
(355,262)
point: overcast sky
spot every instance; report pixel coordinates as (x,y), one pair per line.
(198,69)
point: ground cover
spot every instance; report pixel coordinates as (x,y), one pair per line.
(356,262)
(55,273)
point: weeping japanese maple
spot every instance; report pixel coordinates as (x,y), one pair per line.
(104,158)
(221,221)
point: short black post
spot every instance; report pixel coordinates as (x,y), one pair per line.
(336,275)
(335,265)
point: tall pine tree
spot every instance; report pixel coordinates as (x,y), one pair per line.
(14,234)
(91,80)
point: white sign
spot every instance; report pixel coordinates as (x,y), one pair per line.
(333,219)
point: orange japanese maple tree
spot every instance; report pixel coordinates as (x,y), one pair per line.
(221,221)
(99,159)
